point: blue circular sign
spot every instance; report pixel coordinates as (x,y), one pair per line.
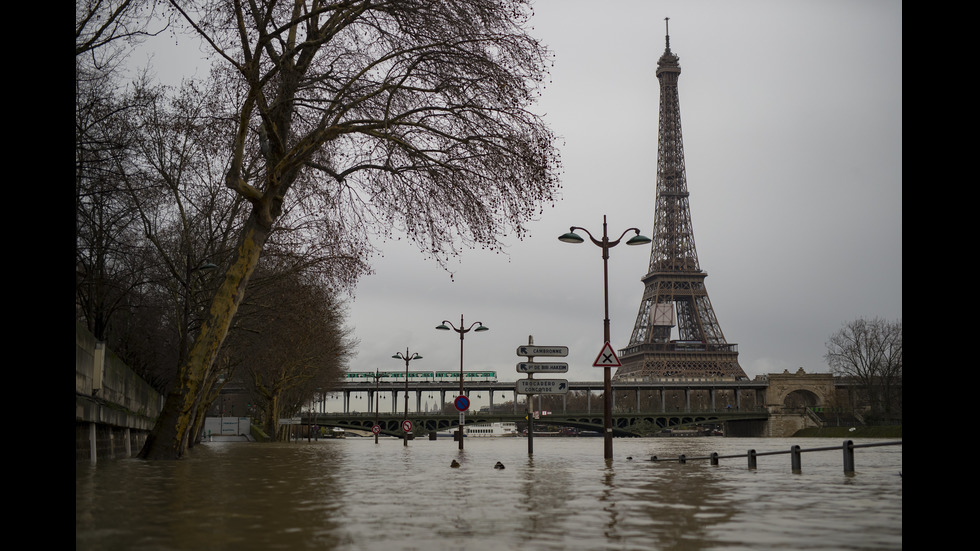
(462,403)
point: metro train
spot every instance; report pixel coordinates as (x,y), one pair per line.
(420,376)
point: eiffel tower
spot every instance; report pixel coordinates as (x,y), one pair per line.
(674,293)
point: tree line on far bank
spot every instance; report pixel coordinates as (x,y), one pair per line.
(868,352)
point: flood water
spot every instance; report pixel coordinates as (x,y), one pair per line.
(355,495)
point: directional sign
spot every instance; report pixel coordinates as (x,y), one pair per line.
(462,403)
(376,429)
(407,425)
(542,367)
(541,386)
(606,358)
(529,350)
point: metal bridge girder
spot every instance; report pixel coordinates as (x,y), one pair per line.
(623,424)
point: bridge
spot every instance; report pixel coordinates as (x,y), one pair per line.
(733,392)
(624,423)
(772,405)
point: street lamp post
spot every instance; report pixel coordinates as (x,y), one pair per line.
(377,401)
(444,327)
(605,244)
(407,358)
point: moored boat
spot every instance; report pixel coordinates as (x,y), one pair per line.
(491,430)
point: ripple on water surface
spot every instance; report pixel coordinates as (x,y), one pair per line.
(356,495)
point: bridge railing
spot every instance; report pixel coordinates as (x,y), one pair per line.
(795,453)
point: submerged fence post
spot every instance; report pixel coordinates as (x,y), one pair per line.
(682,458)
(796,460)
(848,457)
(714,458)
(752,461)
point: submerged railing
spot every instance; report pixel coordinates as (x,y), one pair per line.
(795,453)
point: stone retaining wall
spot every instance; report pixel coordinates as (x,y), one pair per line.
(115,409)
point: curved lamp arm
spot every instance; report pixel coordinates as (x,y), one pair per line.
(605,243)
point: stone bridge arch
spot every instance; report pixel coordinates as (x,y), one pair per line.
(794,391)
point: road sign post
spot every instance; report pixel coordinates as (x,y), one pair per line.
(462,404)
(607,359)
(532,386)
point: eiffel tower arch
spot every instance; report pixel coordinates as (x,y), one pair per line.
(676,335)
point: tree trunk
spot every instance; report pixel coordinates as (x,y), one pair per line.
(168,439)
(275,429)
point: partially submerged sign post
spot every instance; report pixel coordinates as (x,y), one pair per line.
(532,386)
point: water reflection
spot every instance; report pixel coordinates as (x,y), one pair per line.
(548,490)
(358,495)
(681,504)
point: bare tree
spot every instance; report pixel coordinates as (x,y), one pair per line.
(869,353)
(291,343)
(108,262)
(106,29)
(370,115)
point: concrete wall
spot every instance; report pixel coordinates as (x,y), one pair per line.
(784,425)
(227,426)
(115,409)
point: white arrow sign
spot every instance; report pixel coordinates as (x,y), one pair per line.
(542,367)
(529,350)
(541,386)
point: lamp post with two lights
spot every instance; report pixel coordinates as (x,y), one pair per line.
(605,244)
(407,358)
(446,325)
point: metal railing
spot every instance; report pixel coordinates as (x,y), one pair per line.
(795,453)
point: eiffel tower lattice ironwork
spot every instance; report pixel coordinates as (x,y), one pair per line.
(674,293)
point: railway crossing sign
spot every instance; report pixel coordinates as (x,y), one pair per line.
(462,403)
(541,386)
(407,425)
(542,367)
(529,350)
(607,357)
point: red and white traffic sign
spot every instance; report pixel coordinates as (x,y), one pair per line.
(376,429)
(407,425)
(607,357)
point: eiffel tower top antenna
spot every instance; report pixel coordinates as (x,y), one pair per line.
(667,25)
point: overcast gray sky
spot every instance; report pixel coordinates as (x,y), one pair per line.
(792,127)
